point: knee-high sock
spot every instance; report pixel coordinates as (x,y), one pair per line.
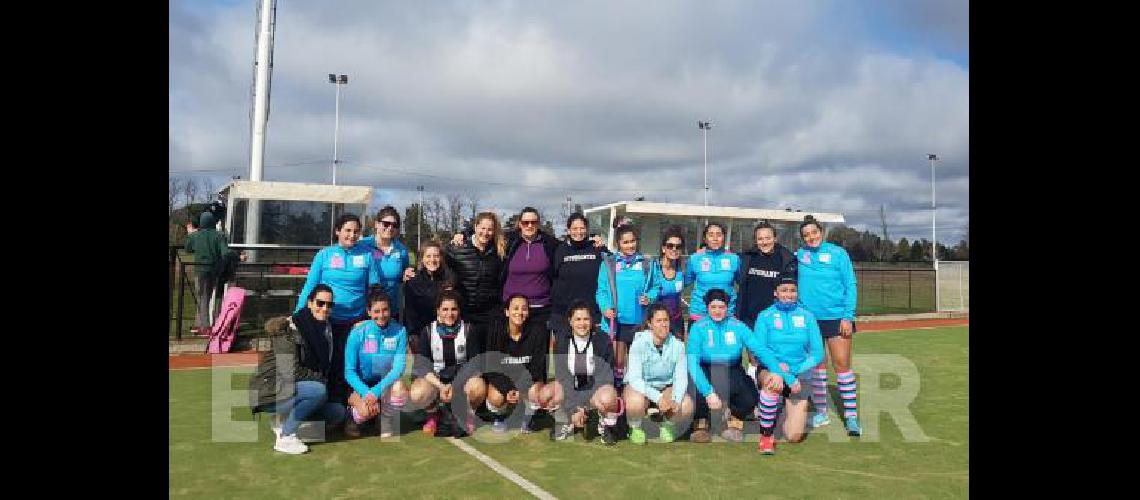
(847,388)
(769,410)
(392,406)
(819,390)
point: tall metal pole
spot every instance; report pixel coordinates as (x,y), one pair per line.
(934,228)
(705,126)
(267,14)
(336,133)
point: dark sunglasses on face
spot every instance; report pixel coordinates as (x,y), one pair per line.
(528,222)
(386,224)
(673,246)
(323,303)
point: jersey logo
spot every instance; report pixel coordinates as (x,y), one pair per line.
(798,321)
(806,259)
(680,285)
(389,343)
(778,323)
(636,266)
(357,261)
(725,264)
(711,342)
(370,345)
(729,337)
(706,265)
(336,262)
(824,258)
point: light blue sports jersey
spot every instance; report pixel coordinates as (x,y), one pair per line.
(793,338)
(348,272)
(373,353)
(827,281)
(709,270)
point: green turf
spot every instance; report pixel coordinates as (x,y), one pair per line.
(822,466)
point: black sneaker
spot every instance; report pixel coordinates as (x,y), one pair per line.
(609,437)
(561,432)
(592,425)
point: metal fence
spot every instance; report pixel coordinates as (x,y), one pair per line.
(894,291)
(271,289)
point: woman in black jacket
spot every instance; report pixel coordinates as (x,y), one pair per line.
(421,291)
(759,273)
(583,366)
(304,341)
(478,266)
(513,342)
(574,273)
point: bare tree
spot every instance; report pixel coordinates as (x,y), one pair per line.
(172,195)
(454,212)
(472,203)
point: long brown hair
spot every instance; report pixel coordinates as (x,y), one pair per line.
(497,232)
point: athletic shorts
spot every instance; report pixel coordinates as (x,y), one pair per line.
(500,382)
(805,387)
(829,328)
(625,332)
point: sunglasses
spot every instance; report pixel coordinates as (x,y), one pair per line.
(323,303)
(673,246)
(528,222)
(387,224)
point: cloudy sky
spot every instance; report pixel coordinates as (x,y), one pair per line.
(816,105)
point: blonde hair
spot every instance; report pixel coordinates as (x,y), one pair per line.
(497,232)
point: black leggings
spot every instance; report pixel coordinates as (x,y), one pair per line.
(741,391)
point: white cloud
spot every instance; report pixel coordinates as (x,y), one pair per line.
(576,101)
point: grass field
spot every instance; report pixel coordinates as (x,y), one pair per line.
(416,466)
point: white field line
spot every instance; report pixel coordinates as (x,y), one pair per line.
(503,471)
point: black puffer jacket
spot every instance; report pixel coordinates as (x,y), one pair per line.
(478,276)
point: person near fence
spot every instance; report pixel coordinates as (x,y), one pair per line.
(291,379)
(583,360)
(477,264)
(714,354)
(658,377)
(827,289)
(446,345)
(791,333)
(712,266)
(209,249)
(669,273)
(514,341)
(389,255)
(625,288)
(575,272)
(422,291)
(347,268)
(374,360)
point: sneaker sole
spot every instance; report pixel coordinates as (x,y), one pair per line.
(290,452)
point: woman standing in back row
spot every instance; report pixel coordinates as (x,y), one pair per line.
(478,265)
(827,290)
(575,273)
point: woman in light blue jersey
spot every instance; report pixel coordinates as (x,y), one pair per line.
(348,269)
(390,256)
(827,289)
(669,273)
(791,333)
(374,359)
(712,267)
(658,378)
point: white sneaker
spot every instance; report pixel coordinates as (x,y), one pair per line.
(290,444)
(275,422)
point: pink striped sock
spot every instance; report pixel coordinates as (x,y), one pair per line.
(847,391)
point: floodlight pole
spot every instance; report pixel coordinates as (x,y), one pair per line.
(337,80)
(705,126)
(934,227)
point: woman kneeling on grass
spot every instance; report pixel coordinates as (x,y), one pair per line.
(374,359)
(713,351)
(304,343)
(791,333)
(657,378)
(446,344)
(519,341)
(586,384)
